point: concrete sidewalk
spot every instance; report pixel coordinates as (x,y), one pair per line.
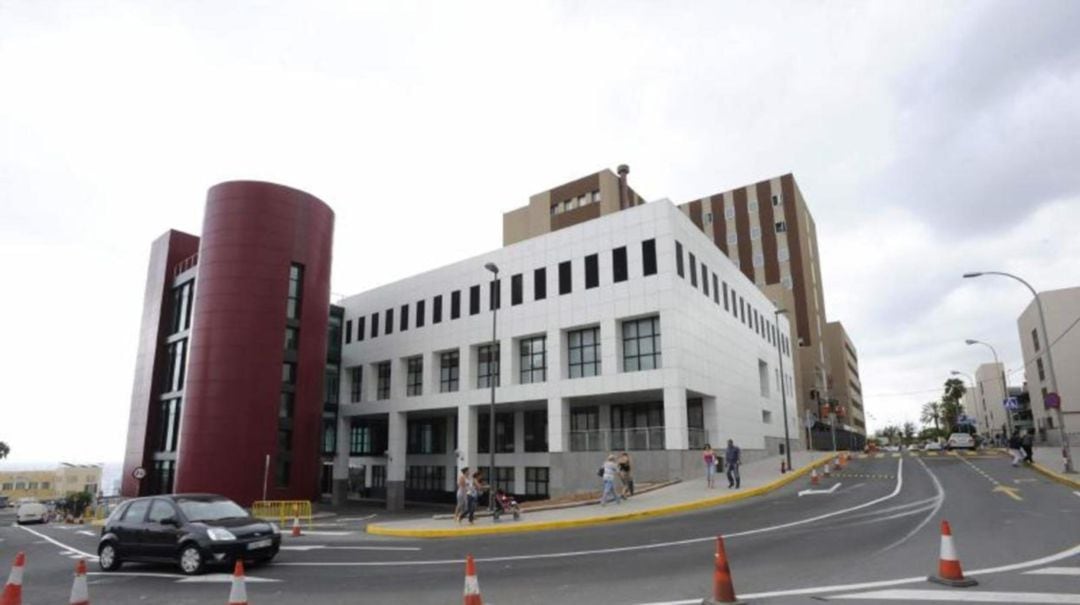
(759,477)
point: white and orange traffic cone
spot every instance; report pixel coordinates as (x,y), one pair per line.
(13,589)
(949,572)
(723,587)
(814,480)
(296,527)
(79,593)
(472,585)
(828,470)
(238,592)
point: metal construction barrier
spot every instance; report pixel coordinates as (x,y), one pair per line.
(282,511)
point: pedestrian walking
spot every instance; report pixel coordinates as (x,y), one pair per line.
(709,458)
(1027,442)
(625,477)
(733,458)
(472,495)
(1015,443)
(462,494)
(608,472)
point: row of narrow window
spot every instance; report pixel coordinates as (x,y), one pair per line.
(619,273)
(743,311)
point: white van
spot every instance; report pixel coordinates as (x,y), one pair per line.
(31,512)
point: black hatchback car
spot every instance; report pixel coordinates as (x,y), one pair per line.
(192,530)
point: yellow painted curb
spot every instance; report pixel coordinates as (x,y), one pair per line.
(1062,479)
(452,532)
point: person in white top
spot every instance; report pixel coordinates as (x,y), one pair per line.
(608,472)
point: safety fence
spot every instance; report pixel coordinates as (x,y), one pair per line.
(282,511)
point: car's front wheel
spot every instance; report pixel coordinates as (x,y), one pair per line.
(191,561)
(108,560)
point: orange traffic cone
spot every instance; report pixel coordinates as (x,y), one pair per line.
(296,527)
(472,585)
(238,592)
(79,594)
(814,480)
(723,588)
(949,572)
(828,470)
(13,589)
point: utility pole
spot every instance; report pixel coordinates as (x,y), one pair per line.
(495,302)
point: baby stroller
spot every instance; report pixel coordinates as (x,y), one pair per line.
(505,503)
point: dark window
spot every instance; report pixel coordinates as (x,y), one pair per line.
(288,372)
(726,307)
(388,324)
(536,481)
(170,423)
(584,351)
(368,438)
(1042,370)
(715,289)
(648,256)
(378,475)
(174,369)
(383,385)
(704,279)
(504,432)
(181,307)
(296,286)
(564,277)
(679,260)
(356,383)
(425,478)
(515,289)
(693,270)
(329,437)
(474,300)
(535,430)
(742,310)
(436,310)
(755,327)
(448,372)
(404,318)
(618,264)
(1035,339)
(348,334)
(487,366)
(540,284)
(641,344)
(533,359)
(414,379)
(503,478)
(494,294)
(360,328)
(592,271)
(331,384)
(420,308)
(292,338)
(374,325)
(455,304)
(426,436)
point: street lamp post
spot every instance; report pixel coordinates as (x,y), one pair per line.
(495,302)
(783,390)
(1004,386)
(1066,452)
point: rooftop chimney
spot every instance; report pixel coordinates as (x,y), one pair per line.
(623,170)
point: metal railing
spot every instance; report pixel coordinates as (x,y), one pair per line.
(609,440)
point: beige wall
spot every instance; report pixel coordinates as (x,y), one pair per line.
(989,398)
(844,375)
(45,485)
(1062,307)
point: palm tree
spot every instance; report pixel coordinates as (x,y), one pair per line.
(931,412)
(909,432)
(4,450)
(951,407)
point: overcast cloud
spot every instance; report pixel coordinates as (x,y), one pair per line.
(929,138)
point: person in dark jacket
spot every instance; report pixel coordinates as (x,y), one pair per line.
(733,458)
(1015,444)
(1027,442)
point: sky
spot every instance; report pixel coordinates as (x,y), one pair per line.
(928,138)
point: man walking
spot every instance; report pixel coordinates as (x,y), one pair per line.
(1028,443)
(733,458)
(1015,443)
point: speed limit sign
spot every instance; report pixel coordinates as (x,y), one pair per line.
(139,473)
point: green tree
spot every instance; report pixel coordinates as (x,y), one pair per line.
(4,450)
(931,414)
(890,433)
(909,432)
(951,407)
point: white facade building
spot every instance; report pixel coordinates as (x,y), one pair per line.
(628,332)
(1062,307)
(991,417)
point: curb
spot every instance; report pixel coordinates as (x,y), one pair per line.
(1060,478)
(671,509)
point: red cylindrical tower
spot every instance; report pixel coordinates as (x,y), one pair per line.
(258,345)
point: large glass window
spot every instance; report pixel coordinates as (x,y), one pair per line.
(540,284)
(565,278)
(533,359)
(170,424)
(332,384)
(504,432)
(641,344)
(584,352)
(356,383)
(426,436)
(474,300)
(536,481)
(296,286)
(448,371)
(329,437)
(174,370)
(502,478)
(618,264)
(425,478)
(382,390)
(516,289)
(536,428)
(487,366)
(592,271)
(368,437)
(181,307)
(648,257)
(414,378)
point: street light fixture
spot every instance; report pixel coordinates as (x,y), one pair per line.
(1004,386)
(783,390)
(495,301)
(1066,452)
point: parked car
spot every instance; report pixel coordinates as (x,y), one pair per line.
(192,530)
(960,441)
(932,446)
(32,512)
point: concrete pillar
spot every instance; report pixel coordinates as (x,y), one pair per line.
(558,418)
(341,463)
(610,347)
(468,427)
(712,420)
(556,355)
(675,436)
(395,464)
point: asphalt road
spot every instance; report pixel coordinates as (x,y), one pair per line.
(881,524)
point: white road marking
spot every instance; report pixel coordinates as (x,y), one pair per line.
(967,596)
(606,551)
(940,497)
(323,547)
(86,533)
(358,518)
(808,492)
(326,533)
(1055,571)
(1065,554)
(136,574)
(1076,493)
(220,578)
(58,543)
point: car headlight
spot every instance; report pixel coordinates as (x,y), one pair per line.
(274,528)
(218,534)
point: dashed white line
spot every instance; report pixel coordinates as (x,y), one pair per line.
(1055,571)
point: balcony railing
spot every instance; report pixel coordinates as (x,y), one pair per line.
(610,440)
(186,264)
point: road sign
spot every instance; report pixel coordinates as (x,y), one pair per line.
(1052,401)
(139,473)
(1012,404)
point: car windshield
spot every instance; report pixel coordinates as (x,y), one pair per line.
(210,510)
